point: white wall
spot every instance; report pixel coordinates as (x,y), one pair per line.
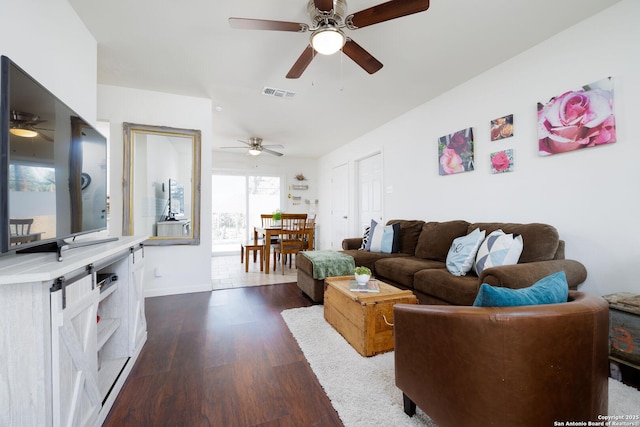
(590,195)
(47,39)
(182,268)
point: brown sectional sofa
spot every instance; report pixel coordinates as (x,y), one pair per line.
(420,263)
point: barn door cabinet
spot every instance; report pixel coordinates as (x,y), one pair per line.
(70,332)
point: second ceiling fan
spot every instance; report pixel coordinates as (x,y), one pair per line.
(328,19)
(254,147)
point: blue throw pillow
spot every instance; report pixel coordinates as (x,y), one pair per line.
(552,289)
(463,252)
(386,245)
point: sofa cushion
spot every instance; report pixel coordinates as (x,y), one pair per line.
(409,232)
(401,269)
(462,253)
(498,249)
(541,241)
(436,238)
(552,289)
(444,286)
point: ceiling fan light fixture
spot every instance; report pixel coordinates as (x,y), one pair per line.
(327,40)
(23,132)
(254,151)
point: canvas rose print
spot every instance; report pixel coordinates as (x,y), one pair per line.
(577,119)
(455,152)
(502,161)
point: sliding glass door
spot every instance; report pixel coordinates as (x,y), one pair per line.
(238,201)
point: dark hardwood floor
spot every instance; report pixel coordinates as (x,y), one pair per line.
(222,358)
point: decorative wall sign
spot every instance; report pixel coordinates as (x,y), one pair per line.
(455,152)
(577,119)
(502,128)
(502,161)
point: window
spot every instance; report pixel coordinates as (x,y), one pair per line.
(237,203)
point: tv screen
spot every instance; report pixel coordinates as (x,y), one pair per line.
(53,163)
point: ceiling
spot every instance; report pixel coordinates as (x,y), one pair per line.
(188,48)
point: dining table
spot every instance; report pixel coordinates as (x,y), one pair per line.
(270,232)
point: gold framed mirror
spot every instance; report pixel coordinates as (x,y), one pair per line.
(162,184)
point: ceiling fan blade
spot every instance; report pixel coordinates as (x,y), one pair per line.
(45,137)
(386,11)
(244,148)
(275,153)
(265,24)
(361,57)
(273,146)
(324,5)
(301,64)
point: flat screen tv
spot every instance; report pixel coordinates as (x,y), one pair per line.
(53,165)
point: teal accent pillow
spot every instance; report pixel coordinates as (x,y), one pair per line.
(463,252)
(552,289)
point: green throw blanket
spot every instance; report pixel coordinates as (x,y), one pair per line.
(328,263)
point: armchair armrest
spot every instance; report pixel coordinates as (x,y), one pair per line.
(526,274)
(352,243)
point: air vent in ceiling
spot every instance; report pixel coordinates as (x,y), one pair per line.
(278,93)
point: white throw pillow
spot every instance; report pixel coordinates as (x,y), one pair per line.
(463,252)
(498,249)
(376,238)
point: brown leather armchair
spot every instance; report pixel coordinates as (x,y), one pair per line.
(508,366)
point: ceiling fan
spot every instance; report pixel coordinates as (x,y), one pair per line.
(328,19)
(24,125)
(255,147)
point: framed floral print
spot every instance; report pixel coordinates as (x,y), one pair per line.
(455,152)
(502,161)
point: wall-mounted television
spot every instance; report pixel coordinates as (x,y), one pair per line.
(53,165)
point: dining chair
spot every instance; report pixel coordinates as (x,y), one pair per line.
(251,246)
(269,222)
(310,224)
(20,231)
(20,227)
(291,238)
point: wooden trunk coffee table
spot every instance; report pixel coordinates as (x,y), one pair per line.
(360,316)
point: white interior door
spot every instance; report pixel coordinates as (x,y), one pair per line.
(370,201)
(339,205)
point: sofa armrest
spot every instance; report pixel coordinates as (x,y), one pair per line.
(352,243)
(526,274)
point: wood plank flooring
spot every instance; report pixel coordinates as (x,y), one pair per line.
(223,358)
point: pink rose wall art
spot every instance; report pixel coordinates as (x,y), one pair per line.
(455,152)
(502,161)
(577,119)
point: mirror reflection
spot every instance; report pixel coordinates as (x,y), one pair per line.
(162,196)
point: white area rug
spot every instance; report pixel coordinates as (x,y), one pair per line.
(362,389)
